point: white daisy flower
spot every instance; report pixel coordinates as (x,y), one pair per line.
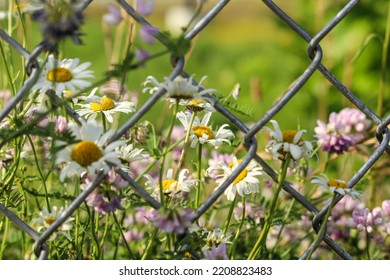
(170,186)
(335,186)
(47,218)
(61,75)
(288,142)
(104,105)
(202,133)
(179,88)
(129,154)
(196,105)
(216,237)
(90,153)
(245,183)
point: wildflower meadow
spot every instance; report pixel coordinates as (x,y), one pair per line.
(193,130)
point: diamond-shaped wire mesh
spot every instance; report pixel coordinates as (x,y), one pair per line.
(315,54)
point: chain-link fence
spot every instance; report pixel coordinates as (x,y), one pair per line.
(315,54)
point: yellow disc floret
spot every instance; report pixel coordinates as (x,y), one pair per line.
(166,185)
(337,184)
(50,220)
(103,105)
(196,105)
(240,176)
(200,130)
(85,153)
(59,75)
(288,136)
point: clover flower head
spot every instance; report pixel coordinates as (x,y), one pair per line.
(364,219)
(216,252)
(343,130)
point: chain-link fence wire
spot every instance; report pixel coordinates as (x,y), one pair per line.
(315,55)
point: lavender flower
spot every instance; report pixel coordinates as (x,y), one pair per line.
(61,124)
(141,55)
(147,33)
(386,207)
(345,129)
(133,235)
(366,220)
(216,252)
(113,17)
(173,220)
(145,7)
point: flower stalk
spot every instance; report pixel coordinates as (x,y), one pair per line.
(268,222)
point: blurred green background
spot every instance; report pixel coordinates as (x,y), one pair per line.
(247,44)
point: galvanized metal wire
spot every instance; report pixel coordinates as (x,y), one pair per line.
(315,55)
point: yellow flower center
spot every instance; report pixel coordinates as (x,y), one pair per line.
(167,184)
(85,153)
(337,184)
(196,102)
(59,75)
(50,220)
(104,105)
(21,6)
(195,105)
(288,136)
(200,130)
(240,176)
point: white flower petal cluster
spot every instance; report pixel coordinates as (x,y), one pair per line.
(61,75)
(245,183)
(104,105)
(170,185)
(202,133)
(91,153)
(335,186)
(47,218)
(288,142)
(178,88)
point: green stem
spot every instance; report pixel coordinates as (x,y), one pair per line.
(234,245)
(95,230)
(168,141)
(282,227)
(268,222)
(199,175)
(368,245)
(151,165)
(4,238)
(150,244)
(39,171)
(104,123)
(321,233)
(123,236)
(185,146)
(229,216)
(77,243)
(103,239)
(385,49)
